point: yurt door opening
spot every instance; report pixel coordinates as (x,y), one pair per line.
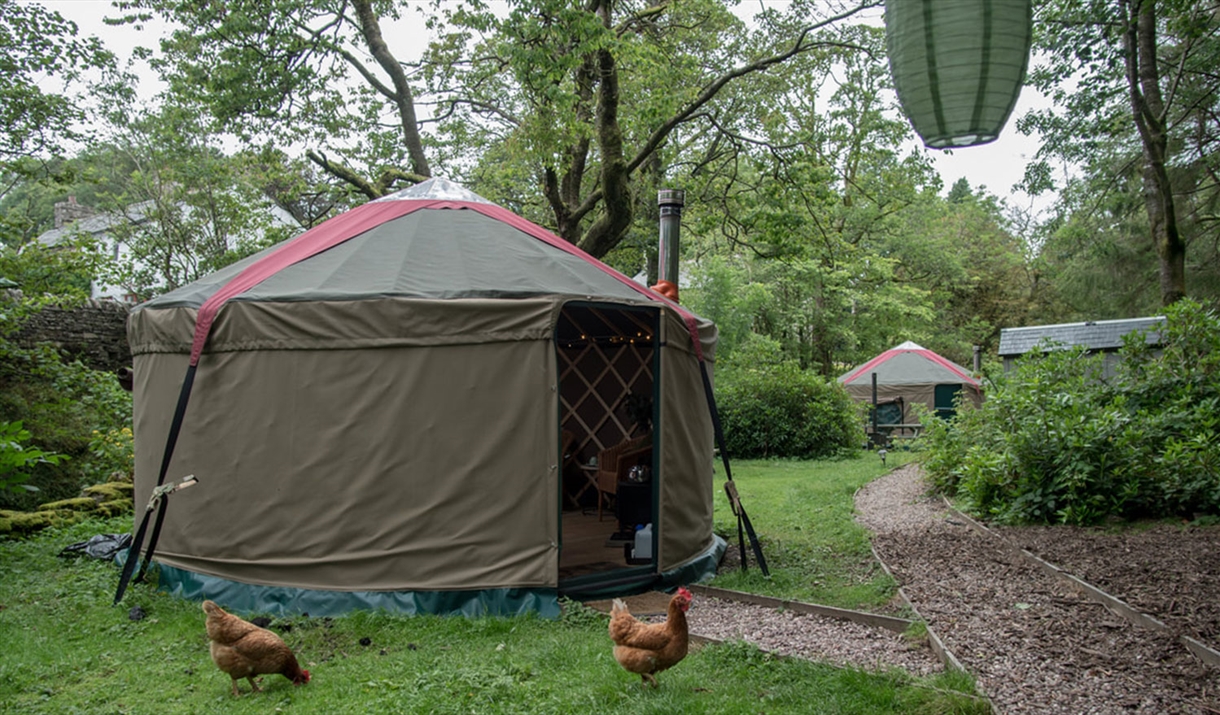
(608,365)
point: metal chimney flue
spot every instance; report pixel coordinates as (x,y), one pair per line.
(669,203)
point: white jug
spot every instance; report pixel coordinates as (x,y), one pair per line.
(643,543)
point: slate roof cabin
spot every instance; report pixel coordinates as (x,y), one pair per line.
(1100,336)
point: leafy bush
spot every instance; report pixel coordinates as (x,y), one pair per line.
(1058,441)
(16,458)
(61,405)
(112,454)
(775,409)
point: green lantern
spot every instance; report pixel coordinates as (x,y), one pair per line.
(958,65)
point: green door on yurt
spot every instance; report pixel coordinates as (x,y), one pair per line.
(946,399)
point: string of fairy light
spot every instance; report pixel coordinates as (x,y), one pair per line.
(617,340)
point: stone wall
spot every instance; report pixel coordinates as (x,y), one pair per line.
(94,333)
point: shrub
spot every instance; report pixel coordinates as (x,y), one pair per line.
(16,458)
(112,453)
(61,404)
(779,410)
(1056,441)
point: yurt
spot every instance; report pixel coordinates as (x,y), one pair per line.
(912,374)
(404,408)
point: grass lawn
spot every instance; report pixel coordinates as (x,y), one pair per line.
(804,515)
(65,649)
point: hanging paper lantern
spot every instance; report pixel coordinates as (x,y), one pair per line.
(958,65)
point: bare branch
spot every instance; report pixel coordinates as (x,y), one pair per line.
(759,65)
(344,174)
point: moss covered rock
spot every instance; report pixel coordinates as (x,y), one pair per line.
(21,523)
(109,499)
(76,504)
(110,491)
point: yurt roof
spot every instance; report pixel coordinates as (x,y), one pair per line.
(909,364)
(459,246)
(435,240)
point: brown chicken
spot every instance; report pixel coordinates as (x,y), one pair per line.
(646,648)
(243,650)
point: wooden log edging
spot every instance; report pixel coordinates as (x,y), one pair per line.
(724,594)
(938,646)
(892,623)
(1197,648)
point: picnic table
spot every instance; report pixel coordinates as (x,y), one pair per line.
(906,430)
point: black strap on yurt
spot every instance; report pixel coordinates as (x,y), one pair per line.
(730,488)
(159,499)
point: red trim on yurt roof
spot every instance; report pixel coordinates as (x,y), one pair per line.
(352,223)
(945,363)
(923,352)
(868,366)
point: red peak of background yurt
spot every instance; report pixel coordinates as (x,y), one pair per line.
(915,374)
(909,363)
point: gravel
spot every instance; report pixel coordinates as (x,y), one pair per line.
(1034,643)
(827,640)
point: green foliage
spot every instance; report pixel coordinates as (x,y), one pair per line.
(1058,441)
(1103,247)
(64,272)
(779,410)
(61,405)
(113,454)
(16,458)
(831,241)
(724,293)
(39,49)
(184,208)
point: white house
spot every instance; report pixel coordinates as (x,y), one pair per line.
(74,219)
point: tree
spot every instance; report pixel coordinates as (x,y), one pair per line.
(314,73)
(39,47)
(602,98)
(1135,85)
(42,273)
(555,77)
(976,268)
(42,62)
(183,207)
(810,193)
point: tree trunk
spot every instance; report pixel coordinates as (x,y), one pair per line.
(563,194)
(608,229)
(1148,108)
(403,98)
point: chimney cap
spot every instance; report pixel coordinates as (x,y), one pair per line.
(671,197)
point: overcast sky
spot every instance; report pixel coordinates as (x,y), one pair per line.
(997,165)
